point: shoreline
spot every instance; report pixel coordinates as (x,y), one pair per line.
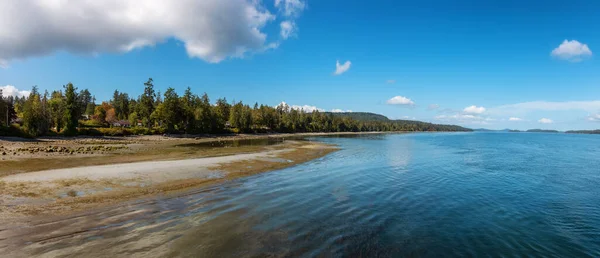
(67,190)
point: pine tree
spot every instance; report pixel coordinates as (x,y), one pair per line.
(71,115)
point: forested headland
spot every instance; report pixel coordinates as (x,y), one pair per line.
(72,112)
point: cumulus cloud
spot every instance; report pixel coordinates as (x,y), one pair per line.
(573,51)
(515,119)
(337,110)
(390,81)
(341,68)
(545,121)
(212,30)
(474,110)
(594,118)
(433,107)
(400,100)
(10,90)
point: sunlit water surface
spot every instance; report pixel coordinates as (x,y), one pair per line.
(399,195)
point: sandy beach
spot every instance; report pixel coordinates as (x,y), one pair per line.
(47,177)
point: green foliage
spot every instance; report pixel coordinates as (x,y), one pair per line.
(57,109)
(15,131)
(35,117)
(146,105)
(133,119)
(72,109)
(188,113)
(169,112)
(361,116)
(120,102)
(90,123)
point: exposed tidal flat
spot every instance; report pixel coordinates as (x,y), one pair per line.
(379,195)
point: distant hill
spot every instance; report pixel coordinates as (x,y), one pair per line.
(597,131)
(361,116)
(400,125)
(541,131)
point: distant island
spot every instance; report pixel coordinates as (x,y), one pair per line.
(597,131)
(542,131)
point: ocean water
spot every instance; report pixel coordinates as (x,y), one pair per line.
(393,195)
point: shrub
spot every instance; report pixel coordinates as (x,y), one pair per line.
(14,130)
(90,123)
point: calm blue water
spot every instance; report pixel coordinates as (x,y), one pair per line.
(409,195)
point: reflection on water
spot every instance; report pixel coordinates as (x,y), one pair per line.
(419,195)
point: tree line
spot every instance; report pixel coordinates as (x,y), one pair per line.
(69,111)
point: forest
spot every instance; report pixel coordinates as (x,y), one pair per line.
(71,112)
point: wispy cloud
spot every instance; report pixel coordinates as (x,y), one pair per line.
(337,110)
(594,118)
(390,81)
(433,107)
(401,101)
(573,51)
(515,119)
(341,68)
(464,119)
(545,121)
(291,8)
(528,107)
(288,29)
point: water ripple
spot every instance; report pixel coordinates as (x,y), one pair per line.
(411,195)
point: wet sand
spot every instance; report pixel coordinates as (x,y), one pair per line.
(65,190)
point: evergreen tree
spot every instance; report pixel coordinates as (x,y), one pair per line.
(146,104)
(33,114)
(57,109)
(71,115)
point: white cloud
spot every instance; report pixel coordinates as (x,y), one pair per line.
(341,68)
(400,100)
(337,110)
(10,90)
(212,30)
(290,8)
(515,119)
(390,81)
(573,51)
(474,110)
(545,121)
(594,118)
(288,29)
(305,108)
(433,107)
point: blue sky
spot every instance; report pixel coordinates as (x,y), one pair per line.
(491,64)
